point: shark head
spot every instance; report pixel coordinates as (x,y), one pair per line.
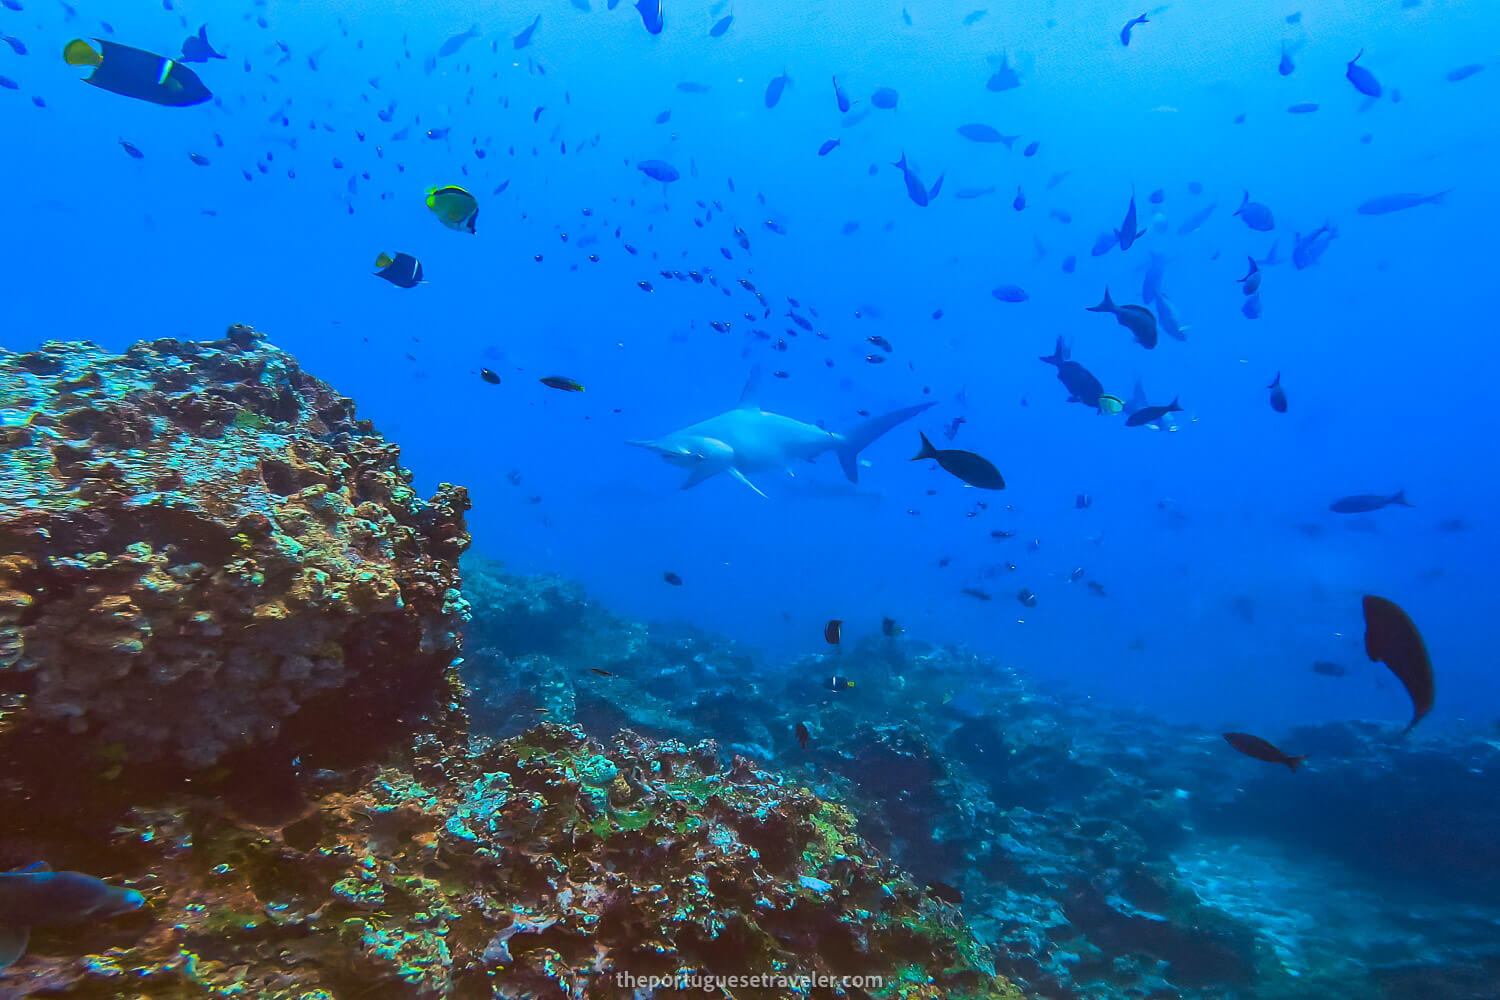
(689,451)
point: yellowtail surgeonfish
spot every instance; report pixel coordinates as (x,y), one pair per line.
(137,73)
(1110,405)
(454,207)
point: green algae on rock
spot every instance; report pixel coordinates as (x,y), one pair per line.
(199,545)
(545,866)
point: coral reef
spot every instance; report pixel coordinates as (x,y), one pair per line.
(202,549)
(1102,855)
(539,867)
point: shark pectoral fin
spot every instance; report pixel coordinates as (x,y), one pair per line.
(12,944)
(736,473)
(700,472)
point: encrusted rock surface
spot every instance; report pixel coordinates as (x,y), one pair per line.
(542,867)
(202,547)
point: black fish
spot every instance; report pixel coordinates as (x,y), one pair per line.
(802,735)
(489,376)
(1151,414)
(672,578)
(1278,395)
(945,892)
(1139,320)
(38,896)
(195,48)
(1254,746)
(1078,380)
(1329,669)
(888,627)
(1392,639)
(971,468)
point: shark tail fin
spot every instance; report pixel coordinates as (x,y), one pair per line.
(861,437)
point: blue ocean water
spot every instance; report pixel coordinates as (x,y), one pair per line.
(1225,575)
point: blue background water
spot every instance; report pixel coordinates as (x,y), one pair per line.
(1385,345)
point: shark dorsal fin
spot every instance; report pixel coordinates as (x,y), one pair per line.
(750,394)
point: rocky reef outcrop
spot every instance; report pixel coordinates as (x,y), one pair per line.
(203,551)
(230,683)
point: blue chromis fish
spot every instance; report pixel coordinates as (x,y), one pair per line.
(403,270)
(456,42)
(828,147)
(455,208)
(1286,67)
(1364,81)
(136,73)
(721,26)
(1307,249)
(915,189)
(980,132)
(37,896)
(1251,280)
(1127,234)
(885,98)
(1364,503)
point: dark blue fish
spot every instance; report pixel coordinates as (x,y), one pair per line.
(840,97)
(16,45)
(1125,31)
(659,170)
(1251,306)
(828,147)
(1010,293)
(1105,242)
(1151,414)
(884,98)
(1019,201)
(1364,503)
(1303,108)
(523,38)
(915,189)
(1364,81)
(1386,204)
(135,154)
(136,73)
(1127,234)
(1255,215)
(402,270)
(967,193)
(1251,280)
(1197,219)
(721,26)
(905,16)
(651,15)
(37,896)
(1031,148)
(1004,78)
(775,88)
(1139,320)
(1286,66)
(1463,72)
(1278,394)
(1082,386)
(1307,249)
(664,117)
(8,84)
(979,132)
(689,87)
(973,16)
(453,44)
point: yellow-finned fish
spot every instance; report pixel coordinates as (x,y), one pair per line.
(1110,405)
(454,207)
(563,383)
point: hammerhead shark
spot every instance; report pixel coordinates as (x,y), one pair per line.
(748,439)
